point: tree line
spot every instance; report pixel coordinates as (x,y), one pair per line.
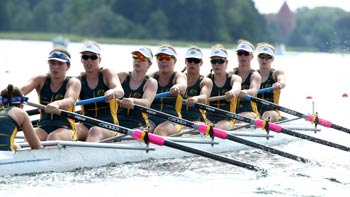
(222,21)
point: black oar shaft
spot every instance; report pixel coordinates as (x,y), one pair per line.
(218,132)
(316,140)
(273,127)
(212,156)
(274,106)
(266,148)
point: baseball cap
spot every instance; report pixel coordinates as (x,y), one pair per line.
(192,53)
(59,56)
(145,52)
(92,47)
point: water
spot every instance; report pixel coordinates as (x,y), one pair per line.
(321,76)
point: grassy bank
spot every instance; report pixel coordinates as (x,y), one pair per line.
(78,38)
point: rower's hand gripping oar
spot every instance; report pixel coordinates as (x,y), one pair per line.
(94,100)
(152,138)
(270,126)
(311,118)
(222,97)
(209,130)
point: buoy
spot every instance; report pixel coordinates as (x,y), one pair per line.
(309,97)
(345,95)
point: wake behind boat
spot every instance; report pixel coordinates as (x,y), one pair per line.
(59,156)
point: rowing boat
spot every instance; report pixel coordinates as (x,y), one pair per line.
(59,156)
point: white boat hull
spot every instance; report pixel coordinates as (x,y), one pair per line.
(65,157)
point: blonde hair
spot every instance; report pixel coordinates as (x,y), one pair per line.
(220,47)
(264,44)
(193,47)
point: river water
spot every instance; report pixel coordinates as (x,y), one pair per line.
(322,76)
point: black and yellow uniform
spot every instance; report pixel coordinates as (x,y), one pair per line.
(128,117)
(273,96)
(222,104)
(192,113)
(170,105)
(244,105)
(51,122)
(100,110)
(8,130)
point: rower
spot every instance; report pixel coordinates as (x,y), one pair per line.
(13,118)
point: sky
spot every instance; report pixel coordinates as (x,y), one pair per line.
(272,6)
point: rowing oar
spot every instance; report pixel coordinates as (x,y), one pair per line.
(152,138)
(270,126)
(222,97)
(216,132)
(261,91)
(94,100)
(312,118)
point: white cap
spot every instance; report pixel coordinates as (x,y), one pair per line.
(244,47)
(145,52)
(59,56)
(266,50)
(166,50)
(92,47)
(219,53)
(192,53)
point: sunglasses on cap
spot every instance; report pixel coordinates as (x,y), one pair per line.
(193,60)
(92,57)
(218,61)
(164,57)
(139,57)
(243,53)
(265,56)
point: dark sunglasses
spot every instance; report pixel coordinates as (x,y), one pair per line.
(243,53)
(218,61)
(86,57)
(193,60)
(164,57)
(139,57)
(265,56)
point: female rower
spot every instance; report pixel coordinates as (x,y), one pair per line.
(13,118)
(269,78)
(198,86)
(224,83)
(56,91)
(97,81)
(139,89)
(250,79)
(168,80)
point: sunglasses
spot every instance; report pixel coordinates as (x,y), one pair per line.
(218,61)
(243,53)
(92,57)
(265,56)
(164,57)
(193,60)
(139,57)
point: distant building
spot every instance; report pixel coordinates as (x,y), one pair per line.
(285,20)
